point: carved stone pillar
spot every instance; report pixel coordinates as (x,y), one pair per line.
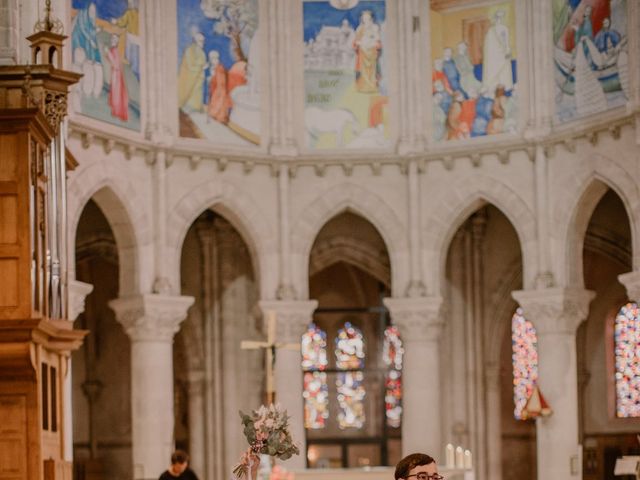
(151,321)
(197,451)
(420,325)
(557,313)
(494,434)
(8,32)
(631,281)
(78,292)
(293,317)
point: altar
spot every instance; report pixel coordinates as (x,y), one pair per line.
(372,473)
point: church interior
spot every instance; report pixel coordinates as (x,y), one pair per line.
(209,204)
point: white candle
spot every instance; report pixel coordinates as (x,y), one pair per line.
(450,456)
(468,461)
(459,457)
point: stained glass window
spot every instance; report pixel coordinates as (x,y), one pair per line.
(316,391)
(392,354)
(351,391)
(524,359)
(314,348)
(351,395)
(349,348)
(627,356)
(316,399)
(392,351)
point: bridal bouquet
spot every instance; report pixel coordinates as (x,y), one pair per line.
(267,431)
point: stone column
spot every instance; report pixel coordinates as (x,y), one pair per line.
(557,313)
(293,317)
(197,450)
(151,321)
(9,32)
(494,433)
(78,292)
(420,325)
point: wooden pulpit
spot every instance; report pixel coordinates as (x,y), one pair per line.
(36,337)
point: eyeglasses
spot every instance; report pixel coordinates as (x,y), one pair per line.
(426,476)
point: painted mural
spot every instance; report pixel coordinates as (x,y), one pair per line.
(105,46)
(473,79)
(346,86)
(219,70)
(590,56)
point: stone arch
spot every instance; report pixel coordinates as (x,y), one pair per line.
(458,203)
(582,192)
(245,216)
(354,198)
(120,203)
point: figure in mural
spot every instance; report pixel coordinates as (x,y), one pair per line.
(129,23)
(218,103)
(590,57)
(86,51)
(191,75)
(496,66)
(109,90)
(367,44)
(607,39)
(451,71)
(219,73)
(437,75)
(468,80)
(472,100)
(118,97)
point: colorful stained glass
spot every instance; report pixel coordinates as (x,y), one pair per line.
(393,398)
(351,395)
(349,348)
(316,400)
(392,351)
(314,348)
(627,355)
(524,342)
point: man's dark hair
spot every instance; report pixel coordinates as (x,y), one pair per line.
(179,457)
(410,462)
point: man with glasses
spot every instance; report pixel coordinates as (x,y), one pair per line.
(417,466)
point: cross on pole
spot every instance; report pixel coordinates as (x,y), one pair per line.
(270,347)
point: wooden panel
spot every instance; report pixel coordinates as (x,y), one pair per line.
(13,437)
(8,157)
(9,282)
(8,219)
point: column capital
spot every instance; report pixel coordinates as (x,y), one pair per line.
(631,281)
(292,316)
(555,310)
(78,292)
(151,317)
(419,318)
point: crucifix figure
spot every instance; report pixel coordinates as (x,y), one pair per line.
(271,347)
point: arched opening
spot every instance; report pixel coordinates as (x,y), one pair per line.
(352,403)
(483,267)
(213,378)
(607,253)
(101,394)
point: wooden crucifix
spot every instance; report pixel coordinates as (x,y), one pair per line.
(271,347)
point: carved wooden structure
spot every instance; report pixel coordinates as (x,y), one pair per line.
(36,337)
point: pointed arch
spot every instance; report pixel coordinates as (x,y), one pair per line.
(354,198)
(121,204)
(245,216)
(460,201)
(583,192)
